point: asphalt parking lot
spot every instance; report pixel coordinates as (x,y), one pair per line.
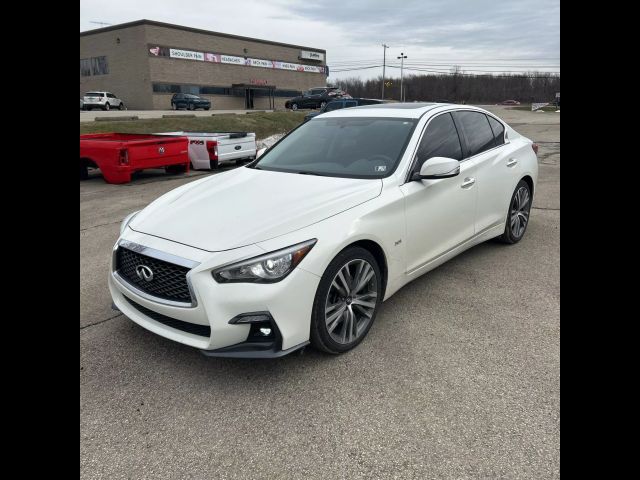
(458,378)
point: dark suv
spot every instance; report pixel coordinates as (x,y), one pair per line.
(339,103)
(188,101)
(316,98)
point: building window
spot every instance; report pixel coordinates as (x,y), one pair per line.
(85,67)
(211,90)
(99,66)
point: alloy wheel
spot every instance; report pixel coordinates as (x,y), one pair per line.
(351,301)
(519,213)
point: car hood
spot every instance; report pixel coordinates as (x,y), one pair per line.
(244,206)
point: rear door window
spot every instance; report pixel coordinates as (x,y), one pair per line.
(477,131)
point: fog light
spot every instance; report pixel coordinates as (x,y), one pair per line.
(265,332)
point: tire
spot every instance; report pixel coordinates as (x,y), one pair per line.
(106,107)
(519,210)
(294,106)
(84,172)
(175,169)
(322,105)
(121,106)
(207,108)
(214,164)
(338,337)
(191,107)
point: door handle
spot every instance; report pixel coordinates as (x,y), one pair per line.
(468,182)
(512,162)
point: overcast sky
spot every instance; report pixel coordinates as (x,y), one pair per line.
(478,35)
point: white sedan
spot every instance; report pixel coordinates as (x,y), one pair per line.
(305,243)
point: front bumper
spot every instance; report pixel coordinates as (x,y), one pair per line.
(288,302)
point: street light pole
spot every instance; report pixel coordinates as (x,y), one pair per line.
(384,62)
(401,57)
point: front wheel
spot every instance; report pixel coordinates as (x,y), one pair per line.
(121,106)
(346,301)
(322,105)
(294,107)
(518,216)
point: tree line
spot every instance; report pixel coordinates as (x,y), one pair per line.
(459,87)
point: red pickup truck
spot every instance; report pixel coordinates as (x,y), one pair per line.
(118,155)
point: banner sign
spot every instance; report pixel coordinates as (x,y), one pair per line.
(186,54)
(158,51)
(537,106)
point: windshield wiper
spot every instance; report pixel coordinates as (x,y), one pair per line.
(309,173)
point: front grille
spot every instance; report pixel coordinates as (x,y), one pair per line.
(169,280)
(195,329)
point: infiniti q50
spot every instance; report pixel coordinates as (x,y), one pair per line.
(304,244)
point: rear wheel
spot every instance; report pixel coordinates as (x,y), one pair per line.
(346,301)
(518,216)
(191,107)
(294,106)
(84,172)
(107,106)
(322,105)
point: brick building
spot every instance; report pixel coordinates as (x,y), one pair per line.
(146,62)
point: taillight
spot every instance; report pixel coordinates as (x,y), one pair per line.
(212,148)
(535,147)
(123,157)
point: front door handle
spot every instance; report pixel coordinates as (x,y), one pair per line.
(468,182)
(512,162)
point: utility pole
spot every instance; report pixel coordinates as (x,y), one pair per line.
(401,58)
(384,62)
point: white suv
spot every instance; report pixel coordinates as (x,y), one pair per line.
(103,100)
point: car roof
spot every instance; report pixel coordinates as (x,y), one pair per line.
(398,110)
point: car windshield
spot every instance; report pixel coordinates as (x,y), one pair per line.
(187,95)
(353,147)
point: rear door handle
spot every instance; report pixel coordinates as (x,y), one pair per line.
(512,162)
(468,182)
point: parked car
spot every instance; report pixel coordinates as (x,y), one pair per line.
(208,150)
(342,103)
(303,245)
(102,100)
(189,101)
(510,102)
(316,98)
(118,155)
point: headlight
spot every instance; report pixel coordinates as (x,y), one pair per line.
(126,221)
(269,268)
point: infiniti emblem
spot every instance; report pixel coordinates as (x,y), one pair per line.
(161,150)
(144,272)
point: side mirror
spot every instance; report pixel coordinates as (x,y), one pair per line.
(260,152)
(438,167)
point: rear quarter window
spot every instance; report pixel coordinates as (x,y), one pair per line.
(498,130)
